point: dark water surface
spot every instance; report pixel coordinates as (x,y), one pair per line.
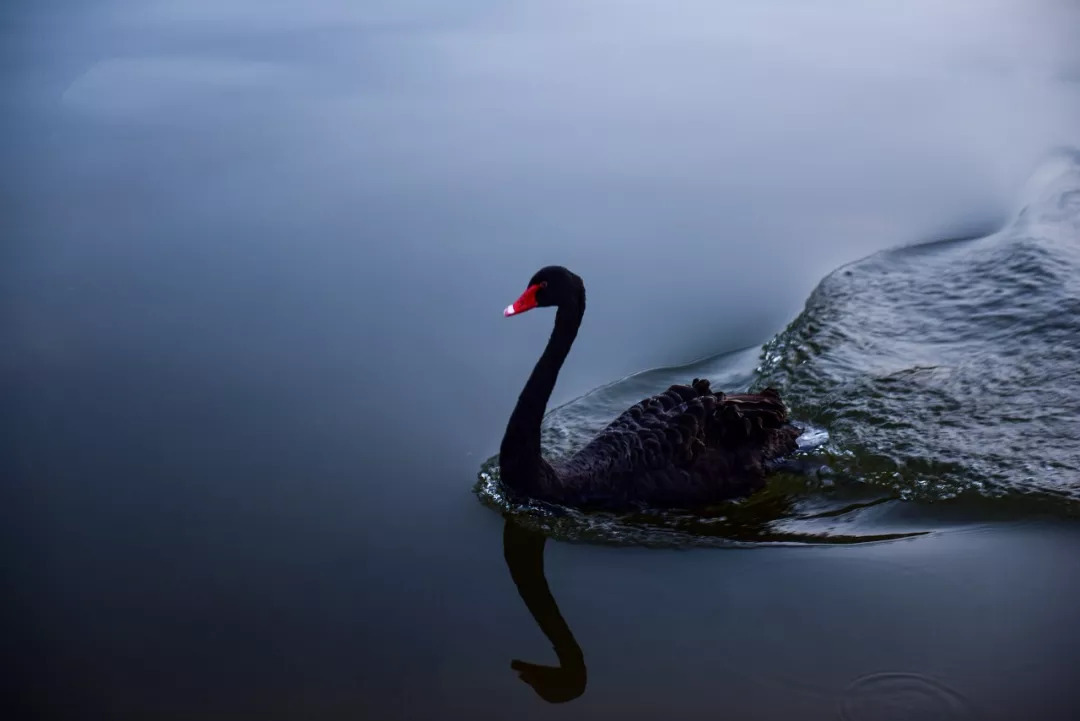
(254,369)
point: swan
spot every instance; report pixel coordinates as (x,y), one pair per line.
(688,446)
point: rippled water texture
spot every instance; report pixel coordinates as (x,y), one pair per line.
(945,374)
(952,366)
(898,696)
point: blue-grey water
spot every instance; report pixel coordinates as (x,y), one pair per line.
(254,368)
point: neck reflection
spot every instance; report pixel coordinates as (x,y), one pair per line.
(524,553)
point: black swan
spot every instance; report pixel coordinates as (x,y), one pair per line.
(688,446)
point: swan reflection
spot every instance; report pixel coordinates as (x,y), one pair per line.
(524,552)
(523,549)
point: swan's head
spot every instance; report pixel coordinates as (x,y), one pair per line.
(553,285)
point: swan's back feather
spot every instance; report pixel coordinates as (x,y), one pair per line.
(683,447)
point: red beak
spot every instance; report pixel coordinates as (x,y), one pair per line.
(527,301)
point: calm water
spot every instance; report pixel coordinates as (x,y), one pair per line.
(254,366)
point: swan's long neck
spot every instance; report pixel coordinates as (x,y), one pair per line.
(519,457)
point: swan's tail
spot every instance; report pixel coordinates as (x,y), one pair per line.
(755,418)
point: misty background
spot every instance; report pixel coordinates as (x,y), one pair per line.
(317,203)
(379,177)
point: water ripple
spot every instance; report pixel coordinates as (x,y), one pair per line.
(898,696)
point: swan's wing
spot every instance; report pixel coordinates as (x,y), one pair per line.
(646,435)
(678,428)
(657,410)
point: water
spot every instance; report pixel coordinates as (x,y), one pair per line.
(950,367)
(252,361)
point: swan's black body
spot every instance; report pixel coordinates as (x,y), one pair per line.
(688,446)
